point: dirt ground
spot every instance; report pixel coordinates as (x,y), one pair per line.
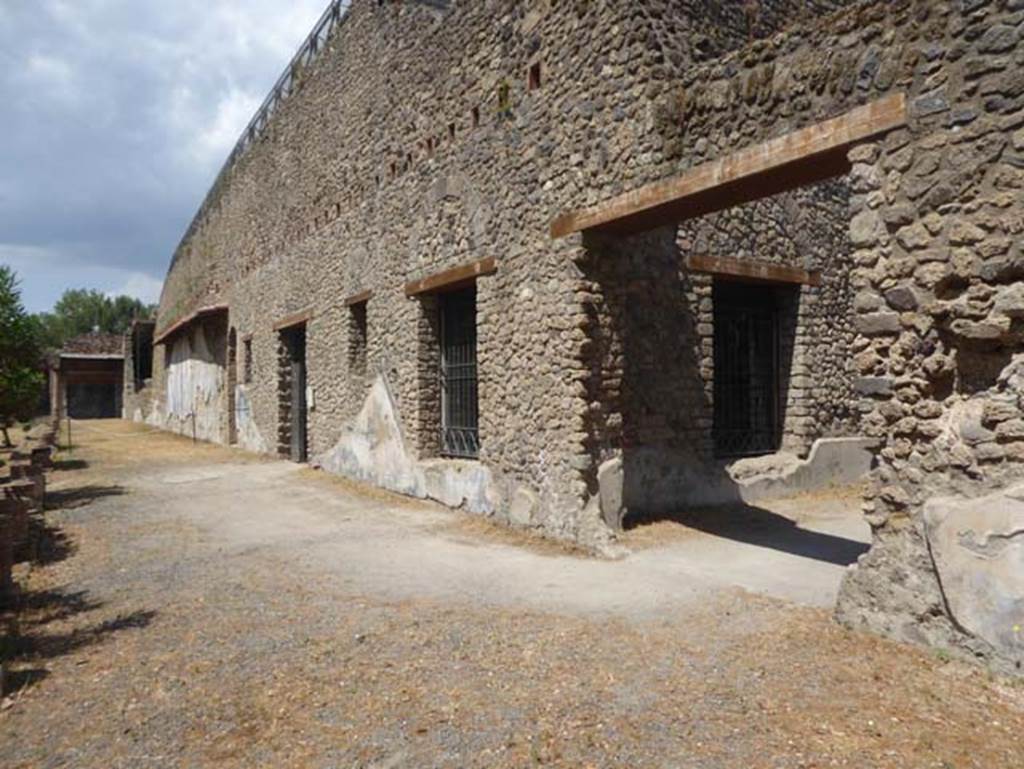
(199,607)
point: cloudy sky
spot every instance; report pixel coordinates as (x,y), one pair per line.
(115,116)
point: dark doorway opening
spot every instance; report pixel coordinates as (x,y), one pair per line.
(293,342)
(232,368)
(460,433)
(93,401)
(747,381)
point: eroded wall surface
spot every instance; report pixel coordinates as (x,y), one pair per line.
(936,215)
(414,143)
(195,392)
(651,329)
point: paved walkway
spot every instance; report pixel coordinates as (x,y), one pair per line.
(401,549)
(202,607)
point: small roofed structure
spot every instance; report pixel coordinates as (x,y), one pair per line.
(87,377)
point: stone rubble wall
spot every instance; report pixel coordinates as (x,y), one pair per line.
(936,217)
(651,344)
(414,144)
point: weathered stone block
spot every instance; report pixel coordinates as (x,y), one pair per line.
(878,323)
(978,550)
(873,386)
(999,39)
(985,331)
(965,233)
(866,228)
(1010,301)
(1011,430)
(523,508)
(902,298)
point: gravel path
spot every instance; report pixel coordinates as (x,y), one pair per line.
(202,608)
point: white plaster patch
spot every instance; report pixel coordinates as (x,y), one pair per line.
(978,549)
(249,436)
(372,449)
(195,387)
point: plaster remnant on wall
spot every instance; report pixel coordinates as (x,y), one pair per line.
(977,546)
(372,449)
(195,386)
(249,436)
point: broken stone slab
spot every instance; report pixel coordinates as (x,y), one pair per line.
(779,465)
(458,484)
(977,546)
(659,481)
(832,462)
(611,485)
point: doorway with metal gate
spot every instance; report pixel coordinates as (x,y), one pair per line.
(460,434)
(748,398)
(294,406)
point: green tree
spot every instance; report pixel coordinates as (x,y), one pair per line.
(21,382)
(80,310)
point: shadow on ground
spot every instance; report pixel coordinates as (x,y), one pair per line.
(40,607)
(763,528)
(24,642)
(35,645)
(51,544)
(80,496)
(16,680)
(67,465)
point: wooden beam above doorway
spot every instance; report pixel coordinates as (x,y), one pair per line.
(181,323)
(797,159)
(362,296)
(295,319)
(752,269)
(452,277)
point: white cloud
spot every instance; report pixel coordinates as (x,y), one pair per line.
(140,286)
(119,114)
(45,273)
(234,112)
(210,130)
(47,81)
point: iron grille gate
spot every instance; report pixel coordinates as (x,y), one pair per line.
(460,434)
(746,379)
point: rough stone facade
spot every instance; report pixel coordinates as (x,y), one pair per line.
(415,144)
(651,328)
(431,136)
(935,223)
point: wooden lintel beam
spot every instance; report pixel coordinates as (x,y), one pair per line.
(752,269)
(94,377)
(452,277)
(162,336)
(362,296)
(798,158)
(295,319)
